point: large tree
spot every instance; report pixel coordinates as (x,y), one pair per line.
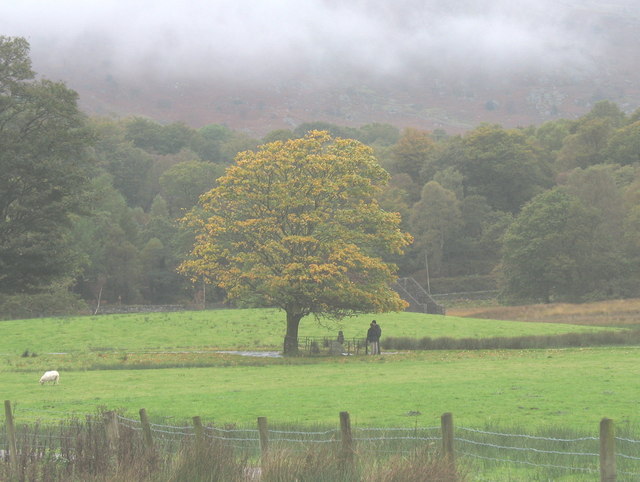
(548,248)
(44,172)
(411,153)
(182,184)
(500,165)
(434,221)
(296,225)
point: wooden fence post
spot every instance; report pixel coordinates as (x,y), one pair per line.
(347,439)
(264,435)
(111,428)
(607,451)
(446,422)
(199,432)
(146,429)
(11,435)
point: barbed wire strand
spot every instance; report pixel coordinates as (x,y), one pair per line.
(533,437)
(505,447)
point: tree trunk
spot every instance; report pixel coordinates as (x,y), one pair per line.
(291,338)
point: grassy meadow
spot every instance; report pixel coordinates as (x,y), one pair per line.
(169,364)
(244,329)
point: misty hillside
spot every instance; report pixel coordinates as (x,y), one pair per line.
(425,64)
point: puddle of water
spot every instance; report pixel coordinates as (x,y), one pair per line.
(267,354)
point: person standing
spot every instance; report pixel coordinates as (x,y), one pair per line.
(373,337)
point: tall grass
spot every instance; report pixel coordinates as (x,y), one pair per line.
(566,340)
(79,451)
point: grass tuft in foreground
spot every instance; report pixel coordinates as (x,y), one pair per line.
(77,450)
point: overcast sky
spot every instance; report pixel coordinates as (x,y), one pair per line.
(280,38)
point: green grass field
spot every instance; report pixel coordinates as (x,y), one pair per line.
(534,389)
(167,363)
(253,329)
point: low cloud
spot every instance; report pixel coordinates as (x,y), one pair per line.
(277,40)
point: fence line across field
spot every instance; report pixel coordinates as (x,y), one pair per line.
(607,454)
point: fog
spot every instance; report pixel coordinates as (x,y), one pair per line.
(175,58)
(239,39)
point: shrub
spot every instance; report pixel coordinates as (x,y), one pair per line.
(602,338)
(54,303)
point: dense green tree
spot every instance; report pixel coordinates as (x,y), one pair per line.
(447,156)
(144,133)
(235,143)
(278,135)
(45,172)
(159,223)
(474,247)
(130,168)
(182,184)
(589,137)
(207,142)
(106,245)
(433,222)
(379,134)
(634,117)
(395,198)
(546,249)
(334,129)
(175,137)
(597,189)
(502,166)
(632,238)
(450,178)
(475,215)
(158,281)
(587,146)
(494,226)
(15,67)
(163,247)
(608,110)
(412,152)
(623,146)
(550,136)
(155,138)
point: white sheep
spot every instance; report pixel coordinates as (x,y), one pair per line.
(51,376)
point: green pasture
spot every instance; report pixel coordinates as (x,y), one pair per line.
(247,329)
(534,389)
(168,364)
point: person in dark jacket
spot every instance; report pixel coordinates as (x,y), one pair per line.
(373,337)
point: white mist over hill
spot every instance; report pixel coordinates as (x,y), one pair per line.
(395,60)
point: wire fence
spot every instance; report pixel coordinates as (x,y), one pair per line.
(483,451)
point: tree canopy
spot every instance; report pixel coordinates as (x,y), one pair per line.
(296,225)
(44,168)
(89,208)
(546,247)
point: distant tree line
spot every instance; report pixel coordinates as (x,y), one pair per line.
(89,206)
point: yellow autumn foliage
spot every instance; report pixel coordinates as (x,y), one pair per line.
(296,224)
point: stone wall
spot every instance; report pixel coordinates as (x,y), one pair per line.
(123,309)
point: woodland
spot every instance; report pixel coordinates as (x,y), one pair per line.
(90,206)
